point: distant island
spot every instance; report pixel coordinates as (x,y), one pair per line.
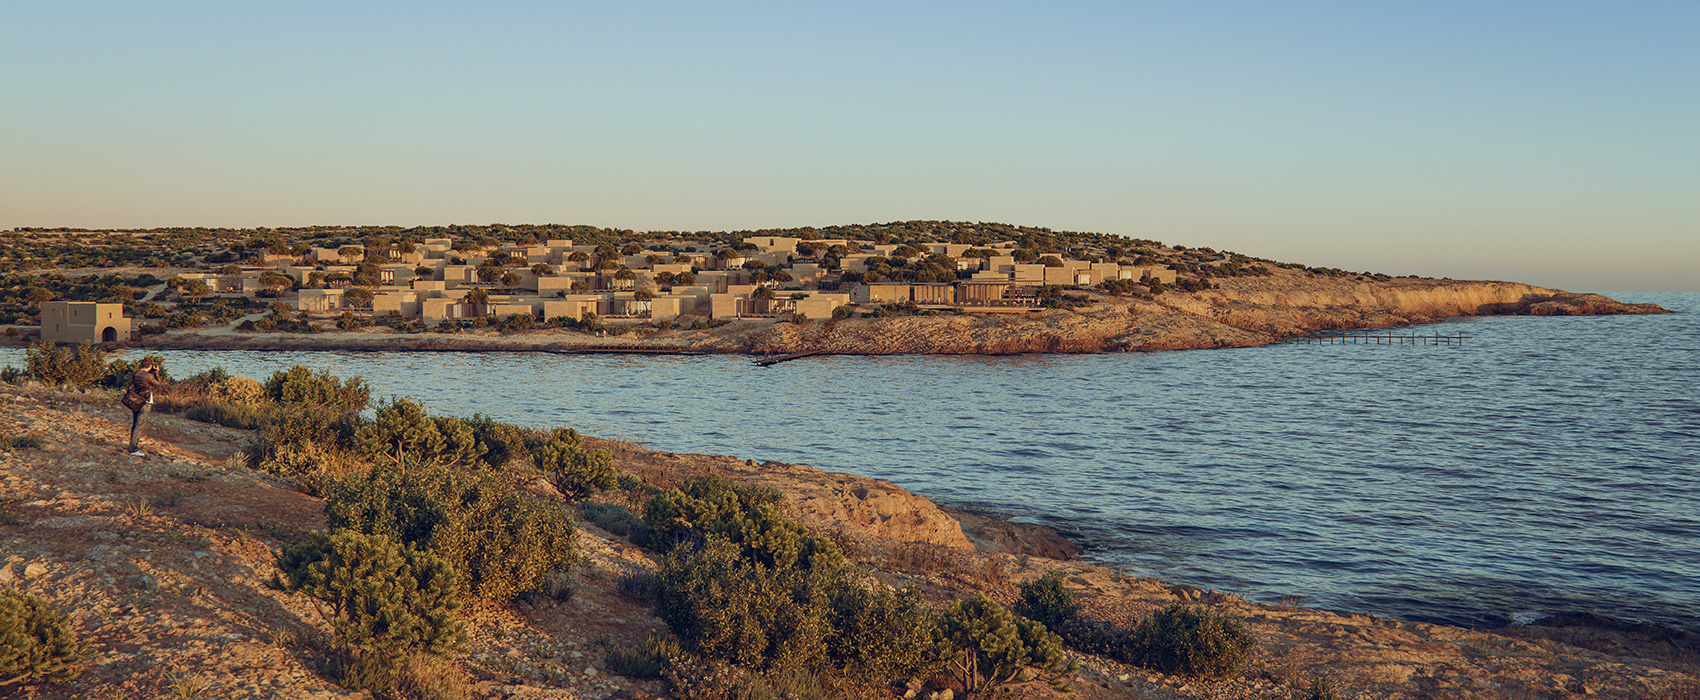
(904,287)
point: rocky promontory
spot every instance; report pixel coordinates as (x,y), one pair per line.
(1238,312)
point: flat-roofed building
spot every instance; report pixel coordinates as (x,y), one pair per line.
(80,321)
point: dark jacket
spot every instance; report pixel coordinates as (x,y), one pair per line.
(142,385)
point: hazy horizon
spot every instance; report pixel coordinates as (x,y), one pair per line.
(1553,145)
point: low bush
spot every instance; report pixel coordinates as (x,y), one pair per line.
(237,390)
(22,442)
(402,428)
(1320,689)
(1189,640)
(646,661)
(992,648)
(782,621)
(36,644)
(503,444)
(743,612)
(745,515)
(576,472)
(384,602)
(79,366)
(503,540)
(314,468)
(231,415)
(612,517)
(1046,601)
(883,635)
(300,386)
(298,425)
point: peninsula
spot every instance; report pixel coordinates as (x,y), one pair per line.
(906,287)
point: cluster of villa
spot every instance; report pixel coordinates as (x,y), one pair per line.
(435,282)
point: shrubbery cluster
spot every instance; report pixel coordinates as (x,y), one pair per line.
(384,601)
(503,540)
(742,584)
(1183,639)
(35,643)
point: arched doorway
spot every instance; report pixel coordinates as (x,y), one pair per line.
(110,335)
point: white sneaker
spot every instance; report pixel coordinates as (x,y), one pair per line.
(138,453)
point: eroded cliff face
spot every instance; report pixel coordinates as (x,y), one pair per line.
(1243,311)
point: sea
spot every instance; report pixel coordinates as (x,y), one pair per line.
(1544,465)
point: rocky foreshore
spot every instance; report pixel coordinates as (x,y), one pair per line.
(1240,312)
(162,563)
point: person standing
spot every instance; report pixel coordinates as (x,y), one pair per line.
(139,399)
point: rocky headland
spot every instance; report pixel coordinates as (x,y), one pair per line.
(1239,312)
(162,562)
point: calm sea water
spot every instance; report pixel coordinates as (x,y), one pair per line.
(1549,464)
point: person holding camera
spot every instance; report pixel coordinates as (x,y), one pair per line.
(139,399)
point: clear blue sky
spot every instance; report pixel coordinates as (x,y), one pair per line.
(1556,143)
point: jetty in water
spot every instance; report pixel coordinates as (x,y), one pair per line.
(1366,337)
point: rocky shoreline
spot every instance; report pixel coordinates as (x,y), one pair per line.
(162,563)
(1241,312)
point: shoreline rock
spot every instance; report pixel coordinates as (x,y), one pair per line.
(1241,312)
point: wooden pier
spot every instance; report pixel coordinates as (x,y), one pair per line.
(1366,337)
(776,359)
(618,349)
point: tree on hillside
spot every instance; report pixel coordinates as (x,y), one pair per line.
(276,282)
(357,298)
(193,289)
(350,253)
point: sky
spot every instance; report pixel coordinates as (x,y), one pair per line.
(1555,143)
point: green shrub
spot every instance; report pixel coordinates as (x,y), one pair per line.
(575,471)
(502,443)
(991,648)
(745,515)
(383,600)
(742,612)
(646,661)
(1046,601)
(316,469)
(502,540)
(428,677)
(1190,640)
(78,366)
(1320,689)
(35,643)
(613,517)
(22,442)
(237,390)
(402,427)
(298,385)
(230,415)
(691,677)
(883,635)
(294,426)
